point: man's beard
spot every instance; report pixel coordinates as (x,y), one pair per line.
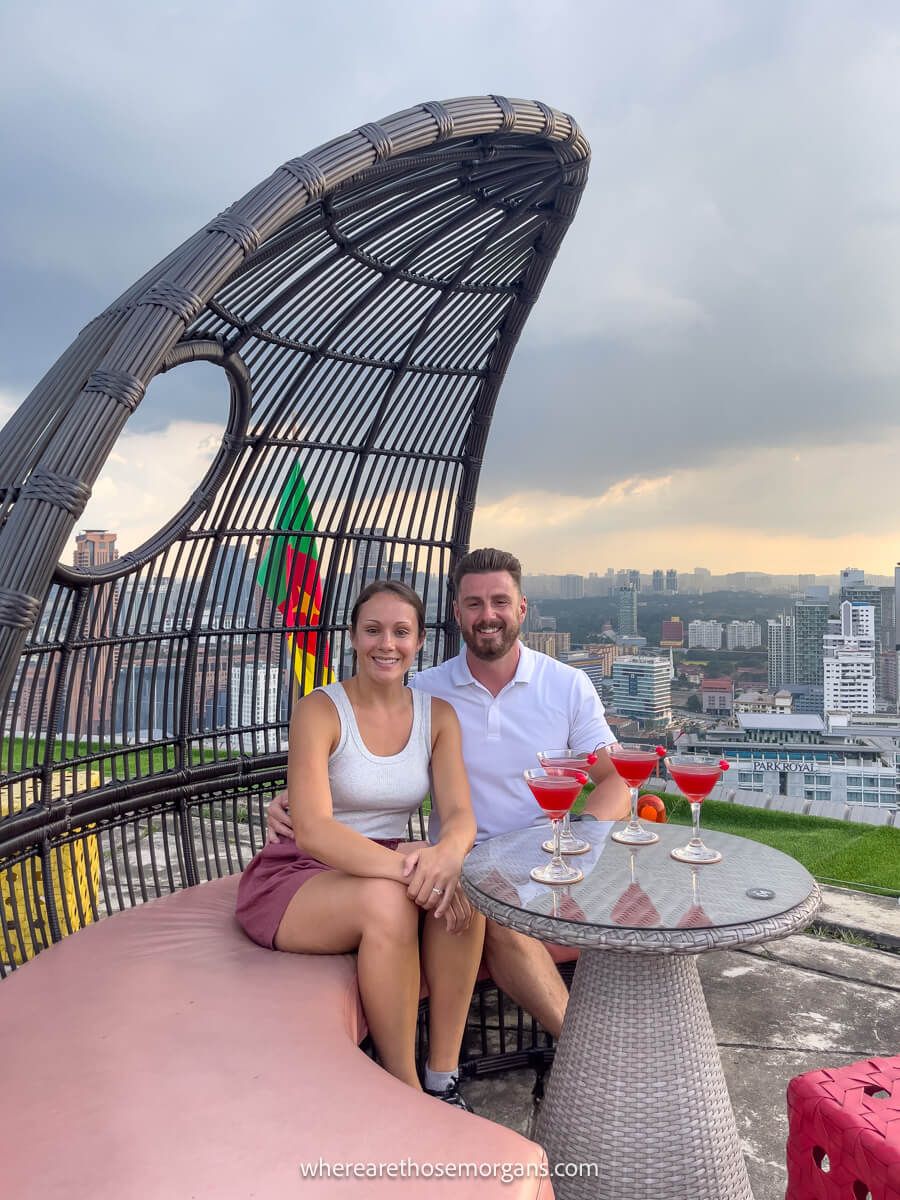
(509,635)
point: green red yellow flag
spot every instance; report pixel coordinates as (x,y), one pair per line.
(289,576)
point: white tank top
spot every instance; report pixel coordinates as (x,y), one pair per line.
(376,794)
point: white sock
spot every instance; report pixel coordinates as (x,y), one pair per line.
(439,1081)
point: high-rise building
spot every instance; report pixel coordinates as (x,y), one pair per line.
(642,689)
(571,587)
(95,666)
(849,661)
(780,647)
(810,627)
(805,581)
(671,581)
(706,635)
(634,579)
(95,548)
(866,595)
(659,581)
(743,635)
(628,610)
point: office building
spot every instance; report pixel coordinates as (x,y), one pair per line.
(634,579)
(743,635)
(852,577)
(707,635)
(849,660)
(867,595)
(659,581)
(597,667)
(95,548)
(642,689)
(840,760)
(805,581)
(627,611)
(671,581)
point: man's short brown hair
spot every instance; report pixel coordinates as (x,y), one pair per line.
(480,562)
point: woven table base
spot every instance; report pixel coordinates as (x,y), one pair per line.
(637,1087)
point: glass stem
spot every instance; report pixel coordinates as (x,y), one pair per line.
(633,823)
(557,852)
(695,819)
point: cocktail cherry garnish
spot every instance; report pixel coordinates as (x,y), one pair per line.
(661,751)
(723,764)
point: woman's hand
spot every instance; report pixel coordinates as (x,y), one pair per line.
(278,819)
(433,873)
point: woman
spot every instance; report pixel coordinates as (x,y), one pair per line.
(362,756)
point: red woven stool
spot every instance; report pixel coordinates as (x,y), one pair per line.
(844,1133)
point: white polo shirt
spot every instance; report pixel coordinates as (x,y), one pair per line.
(547,705)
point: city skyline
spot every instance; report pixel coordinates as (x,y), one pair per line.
(713,364)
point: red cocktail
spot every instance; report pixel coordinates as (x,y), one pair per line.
(562,762)
(696,776)
(555,794)
(635,765)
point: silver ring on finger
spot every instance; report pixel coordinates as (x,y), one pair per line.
(440,891)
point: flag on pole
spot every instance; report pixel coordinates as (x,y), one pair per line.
(289,576)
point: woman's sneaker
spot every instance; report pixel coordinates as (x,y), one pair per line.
(451,1095)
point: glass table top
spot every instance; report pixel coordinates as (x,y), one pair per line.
(640,889)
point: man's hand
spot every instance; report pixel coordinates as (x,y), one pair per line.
(433,873)
(278,819)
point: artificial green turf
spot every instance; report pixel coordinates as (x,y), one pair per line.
(864,856)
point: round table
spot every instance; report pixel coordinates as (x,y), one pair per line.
(637,1086)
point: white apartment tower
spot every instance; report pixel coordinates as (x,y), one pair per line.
(743,635)
(849,660)
(705,634)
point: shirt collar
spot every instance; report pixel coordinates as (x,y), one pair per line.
(462,675)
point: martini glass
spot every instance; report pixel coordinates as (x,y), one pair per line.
(635,766)
(556,795)
(563,762)
(696,775)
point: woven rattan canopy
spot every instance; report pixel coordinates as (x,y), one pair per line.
(363,302)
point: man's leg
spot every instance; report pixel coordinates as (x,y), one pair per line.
(522,967)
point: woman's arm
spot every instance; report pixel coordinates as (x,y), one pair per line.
(314,732)
(436,868)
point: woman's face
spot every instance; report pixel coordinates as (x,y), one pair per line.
(386,638)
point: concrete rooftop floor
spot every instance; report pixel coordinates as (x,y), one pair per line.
(795,1005)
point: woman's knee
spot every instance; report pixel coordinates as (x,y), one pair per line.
(387,911)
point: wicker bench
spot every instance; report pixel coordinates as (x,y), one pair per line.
(160,1054)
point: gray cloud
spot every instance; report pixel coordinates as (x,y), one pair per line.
(732,280)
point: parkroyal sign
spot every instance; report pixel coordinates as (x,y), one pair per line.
(778,764)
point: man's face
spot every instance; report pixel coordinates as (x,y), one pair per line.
(490,610)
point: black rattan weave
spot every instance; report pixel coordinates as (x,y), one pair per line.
(363,303)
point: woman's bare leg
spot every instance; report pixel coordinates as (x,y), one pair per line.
(333,913)
(450,964)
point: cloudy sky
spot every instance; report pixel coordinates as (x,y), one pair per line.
(712,374)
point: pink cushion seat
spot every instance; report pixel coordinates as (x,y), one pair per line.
(160,1054)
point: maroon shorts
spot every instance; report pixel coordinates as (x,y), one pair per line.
(271,881)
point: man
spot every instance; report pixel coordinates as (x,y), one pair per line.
(512,702)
